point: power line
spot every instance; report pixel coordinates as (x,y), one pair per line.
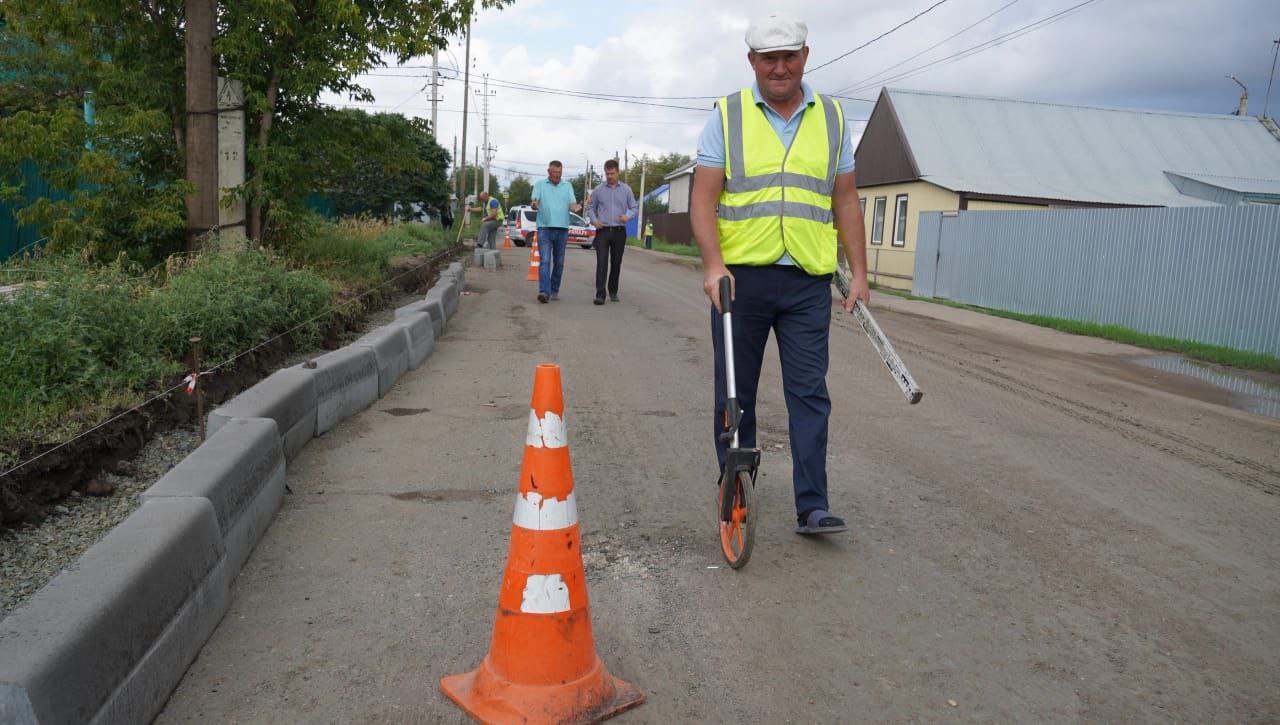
(584,95)
(878,37)
(986,45)
(949,38)
(563,90)
(642,121)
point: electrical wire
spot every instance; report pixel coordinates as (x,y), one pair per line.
(910,58)
(895,28)
(987,45)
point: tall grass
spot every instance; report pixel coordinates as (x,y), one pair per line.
(80,340)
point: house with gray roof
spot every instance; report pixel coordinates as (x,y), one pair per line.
(925,151)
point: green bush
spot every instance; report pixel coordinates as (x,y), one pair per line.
(83,339)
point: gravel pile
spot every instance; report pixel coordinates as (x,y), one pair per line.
(31,556)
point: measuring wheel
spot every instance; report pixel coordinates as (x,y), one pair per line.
(737,519)
(735,507)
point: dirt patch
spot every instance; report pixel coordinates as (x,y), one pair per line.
(33,491)
(402,412)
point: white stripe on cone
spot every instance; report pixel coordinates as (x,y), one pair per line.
(546,433)
(545,594)
(536,513)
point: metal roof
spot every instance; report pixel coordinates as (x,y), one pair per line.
(1044,150)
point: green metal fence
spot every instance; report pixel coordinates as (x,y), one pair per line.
(13,236)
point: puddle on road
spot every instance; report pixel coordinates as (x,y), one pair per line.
(1250,394)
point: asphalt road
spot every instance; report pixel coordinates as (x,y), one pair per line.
(1054,533)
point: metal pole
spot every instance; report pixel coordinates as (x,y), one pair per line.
(435,87)
(462,168)
(486,132)
(1266,105)
(199,391)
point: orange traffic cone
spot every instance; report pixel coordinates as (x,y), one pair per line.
(506,234)
(542,664)
(535,259)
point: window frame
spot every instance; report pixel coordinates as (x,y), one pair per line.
(879,207)
(900,210)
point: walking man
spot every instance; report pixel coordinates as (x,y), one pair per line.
(612,205)
(773,191)
(553,199)
(494,217)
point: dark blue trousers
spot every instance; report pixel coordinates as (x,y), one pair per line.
(796,306)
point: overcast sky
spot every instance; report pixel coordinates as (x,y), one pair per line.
(1159,54)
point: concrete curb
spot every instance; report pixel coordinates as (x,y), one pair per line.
(419,334)
(102,637)
(286,396)
(110,637)
(346,383)
(391,350)
(492,259)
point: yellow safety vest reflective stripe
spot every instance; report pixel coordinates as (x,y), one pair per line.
(778,199)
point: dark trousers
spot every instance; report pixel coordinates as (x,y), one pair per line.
(797,308)
(610,242)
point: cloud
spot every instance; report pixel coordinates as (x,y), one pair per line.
(1168,54)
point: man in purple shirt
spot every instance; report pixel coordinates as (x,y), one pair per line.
(612,205)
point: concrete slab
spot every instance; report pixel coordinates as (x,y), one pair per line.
(67,650)
(477,258)
(419,333)
(433,306)
(493,259)
(346,383)
(457,271)
(286,396)
(232,470)
(391,349)
(446,290)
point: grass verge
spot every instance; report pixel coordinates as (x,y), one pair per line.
(82,340)
(661,245)
(1216,354)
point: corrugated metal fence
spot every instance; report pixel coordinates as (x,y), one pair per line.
(1210,274)
(13,236)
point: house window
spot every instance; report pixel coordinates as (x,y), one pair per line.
(900,221)
(862,206)
(877,221)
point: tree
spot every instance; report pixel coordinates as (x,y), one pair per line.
(519,191)
(654,170)
(119,177)
(382,164)
(130,58)
(288,52)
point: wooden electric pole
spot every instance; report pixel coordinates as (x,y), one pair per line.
(202,121)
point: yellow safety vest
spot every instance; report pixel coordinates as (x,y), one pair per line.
(778,199)
(502,217)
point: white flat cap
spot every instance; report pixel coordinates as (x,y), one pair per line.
(776,32)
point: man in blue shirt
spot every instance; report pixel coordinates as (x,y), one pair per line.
(553,199)
(611,206)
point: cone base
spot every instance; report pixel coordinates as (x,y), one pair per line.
(489,699)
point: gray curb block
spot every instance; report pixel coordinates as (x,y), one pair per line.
(286,396)
(492,259)
(110,637)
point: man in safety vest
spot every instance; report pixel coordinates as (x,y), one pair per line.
(773,193)
(493,220)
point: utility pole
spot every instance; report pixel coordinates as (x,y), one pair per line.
(1266,105)
(455,168)
(476,175)
(485,94)
(466,94)
(586,180)
(435,95)
(202,121)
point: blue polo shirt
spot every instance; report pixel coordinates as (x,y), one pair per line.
(553,202)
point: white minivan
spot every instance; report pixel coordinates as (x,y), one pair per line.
(522,221)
